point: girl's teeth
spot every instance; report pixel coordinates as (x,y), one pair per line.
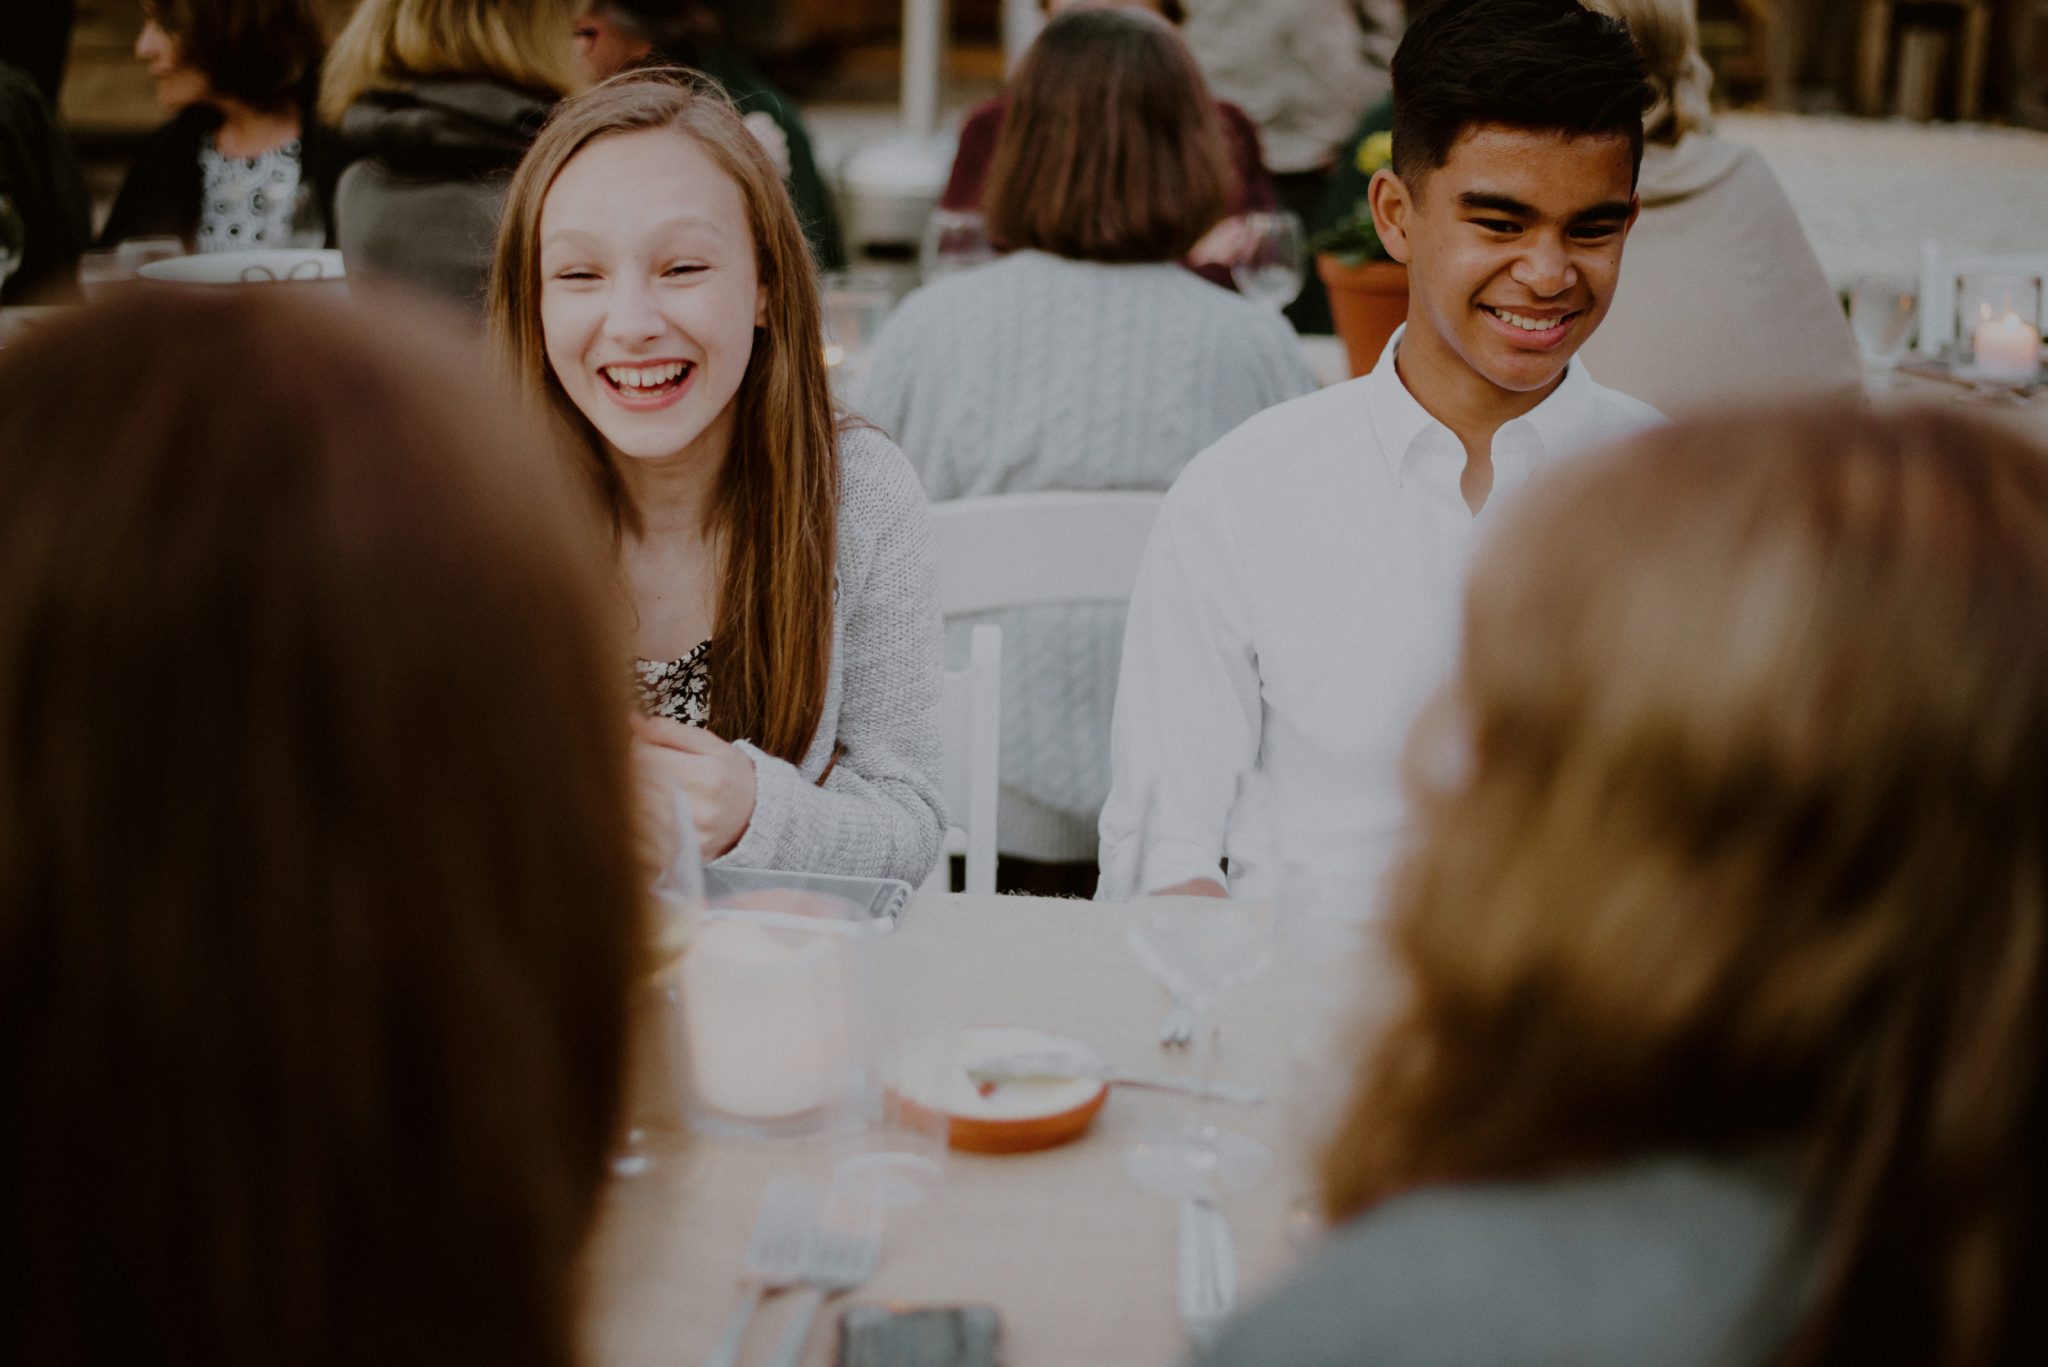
(644,377)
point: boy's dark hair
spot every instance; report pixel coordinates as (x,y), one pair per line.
(1552,65)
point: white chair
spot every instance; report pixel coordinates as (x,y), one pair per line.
(1033,550)
(1939,273)
(1012,551)
(970,734)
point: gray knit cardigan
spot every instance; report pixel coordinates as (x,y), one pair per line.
(1036,372)
(878,811)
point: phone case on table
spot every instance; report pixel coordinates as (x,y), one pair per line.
(882,898)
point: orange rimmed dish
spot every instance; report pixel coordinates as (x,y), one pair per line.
(1018,1116)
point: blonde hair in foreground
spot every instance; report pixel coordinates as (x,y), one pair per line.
(778,496)
(1732,838)
(1667,33)
(523,43)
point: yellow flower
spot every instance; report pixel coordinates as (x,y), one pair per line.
(1375,152)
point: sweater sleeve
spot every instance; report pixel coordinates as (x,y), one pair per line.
(878,812)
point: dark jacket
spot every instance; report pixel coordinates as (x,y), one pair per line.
(161,194)
(40,176)
(422,202)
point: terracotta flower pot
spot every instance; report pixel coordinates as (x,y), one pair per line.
(1368,302)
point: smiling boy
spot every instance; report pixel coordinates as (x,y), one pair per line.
(1298,600)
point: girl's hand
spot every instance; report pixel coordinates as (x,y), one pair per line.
(715,774)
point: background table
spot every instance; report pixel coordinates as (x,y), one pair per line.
(1078,1260)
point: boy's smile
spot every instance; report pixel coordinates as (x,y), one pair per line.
(1513,247)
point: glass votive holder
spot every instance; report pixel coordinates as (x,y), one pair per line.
(767,996)
(1998,328)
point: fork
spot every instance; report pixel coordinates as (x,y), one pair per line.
(840,1254)
(775,1258)
(1178,1026)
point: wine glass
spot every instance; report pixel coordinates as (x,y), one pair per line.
(1268,265)
(954,240)
(13,240)
(1882,311)
(1202,950)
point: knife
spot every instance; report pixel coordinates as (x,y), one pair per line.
(1208,1270)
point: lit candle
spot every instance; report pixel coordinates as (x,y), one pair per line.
(2007,348)
(766,1012)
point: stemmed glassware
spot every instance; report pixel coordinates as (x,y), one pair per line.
(1269,263)
(1202,950)
(1882,311)
(954,240)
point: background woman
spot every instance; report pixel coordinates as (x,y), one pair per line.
(314,954)
(1250,189)
(1086,359)
(653,282)
(243,162)
(1721,296)
(1725,927)
(441,98)
(616,34)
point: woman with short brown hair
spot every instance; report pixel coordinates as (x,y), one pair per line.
(1085,359)
(1111,149)
(1725,926)
(314,944)
(244,161)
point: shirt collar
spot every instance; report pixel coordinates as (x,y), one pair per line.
(1409,436)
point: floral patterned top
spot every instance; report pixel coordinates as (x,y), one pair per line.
(679,690)
(248,201)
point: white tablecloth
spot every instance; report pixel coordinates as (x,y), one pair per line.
(1078,1260)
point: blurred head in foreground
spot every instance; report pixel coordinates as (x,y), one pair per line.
(314,945)
(1733,839)
(1111,149)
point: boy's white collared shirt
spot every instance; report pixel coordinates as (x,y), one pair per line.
(1297,605)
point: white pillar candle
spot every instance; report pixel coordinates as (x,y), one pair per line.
(767,1017)
(2007,348)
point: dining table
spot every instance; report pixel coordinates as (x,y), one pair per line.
(1077,1260)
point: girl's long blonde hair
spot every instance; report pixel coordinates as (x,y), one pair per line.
(1732,836)
(778,496)
(525,43)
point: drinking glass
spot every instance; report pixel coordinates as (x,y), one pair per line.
(1202,949)
(137,252)
(654,1100)
(13,240)
(855,303)
(907,1010)
(1882,311)
(1268,266)
(102,274)
(954,240)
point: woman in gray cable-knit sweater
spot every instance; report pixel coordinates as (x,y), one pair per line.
(652,279)
(1085,359)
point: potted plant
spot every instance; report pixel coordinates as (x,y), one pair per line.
(1368,289)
